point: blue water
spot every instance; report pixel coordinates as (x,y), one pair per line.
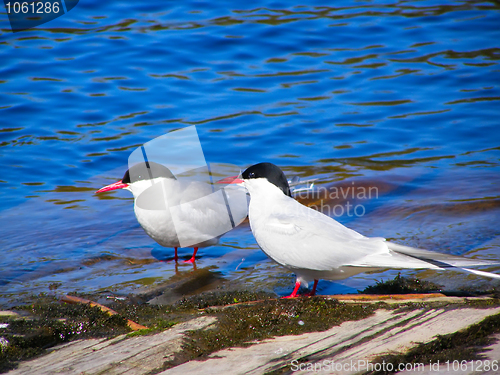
(401,94)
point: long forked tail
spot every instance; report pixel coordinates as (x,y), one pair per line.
(481,273)
(445,260)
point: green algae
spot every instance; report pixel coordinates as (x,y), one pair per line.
(159,325)
(156,318)
(402,285)
(483,303)
(211,299)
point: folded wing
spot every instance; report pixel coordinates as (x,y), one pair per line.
(312,240)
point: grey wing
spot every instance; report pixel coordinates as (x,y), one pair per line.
(309,239)
(304,238)
(315,241)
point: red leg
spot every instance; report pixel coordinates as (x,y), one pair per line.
(294,293)
(193,258)
(176,258)
(313,291)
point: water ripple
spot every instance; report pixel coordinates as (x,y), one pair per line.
(395,92)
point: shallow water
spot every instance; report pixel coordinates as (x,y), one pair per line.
(400,96)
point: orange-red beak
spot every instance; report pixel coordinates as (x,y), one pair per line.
(231,180)
(116,185)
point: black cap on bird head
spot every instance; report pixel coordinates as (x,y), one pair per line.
(271,172)
(146,171)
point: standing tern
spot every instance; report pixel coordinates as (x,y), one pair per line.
(314,246)
(174,212)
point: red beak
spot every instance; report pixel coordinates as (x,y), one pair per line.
(116,185)
(230,180)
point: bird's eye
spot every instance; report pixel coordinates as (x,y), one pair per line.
(251,175)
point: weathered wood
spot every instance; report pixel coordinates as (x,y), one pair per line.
(355,341)
(122,355)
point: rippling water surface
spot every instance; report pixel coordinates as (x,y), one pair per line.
(401,96)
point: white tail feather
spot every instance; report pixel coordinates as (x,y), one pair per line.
(482,273)
(445,260)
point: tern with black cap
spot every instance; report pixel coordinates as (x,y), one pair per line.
(315,246)
(176,213)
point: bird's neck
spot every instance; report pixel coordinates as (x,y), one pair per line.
(265,199)
(261,189)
